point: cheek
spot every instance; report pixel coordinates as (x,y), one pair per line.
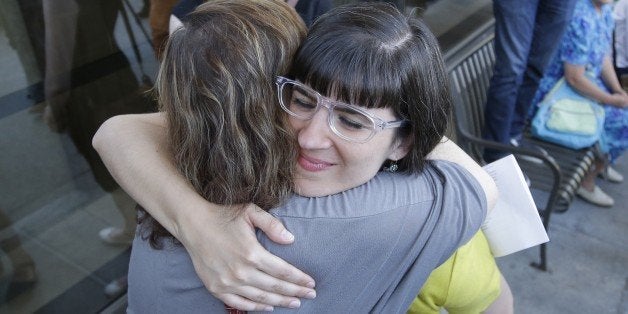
(294,124)
(370,158)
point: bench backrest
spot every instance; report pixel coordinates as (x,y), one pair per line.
(470,71)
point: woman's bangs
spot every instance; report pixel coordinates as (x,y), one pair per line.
(358,78)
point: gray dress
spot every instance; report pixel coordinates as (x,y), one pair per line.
(370,248)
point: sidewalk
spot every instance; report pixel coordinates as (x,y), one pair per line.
(587,259)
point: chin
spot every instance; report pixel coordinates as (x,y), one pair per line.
(308,189)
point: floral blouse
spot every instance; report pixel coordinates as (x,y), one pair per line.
(586,42)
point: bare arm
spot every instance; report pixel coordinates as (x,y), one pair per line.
(448,150)
(610,77)
(575,76)
(245,276)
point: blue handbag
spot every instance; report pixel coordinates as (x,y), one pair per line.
(566,118)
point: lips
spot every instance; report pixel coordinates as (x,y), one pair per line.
(312,164)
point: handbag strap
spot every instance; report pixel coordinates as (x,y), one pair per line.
(553,90)
(588,74)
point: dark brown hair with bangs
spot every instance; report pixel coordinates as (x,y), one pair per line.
(371,55)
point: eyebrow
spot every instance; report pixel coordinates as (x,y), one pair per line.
(301,93)
(346,109)
(348,106)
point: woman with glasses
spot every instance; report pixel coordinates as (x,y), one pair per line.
(367,90)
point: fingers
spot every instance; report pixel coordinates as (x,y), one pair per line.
(271,226)
(258,293)
(264,297)
(271,264)
(240,303)
(285,276)
(263,293)
(282,291)
(240,272)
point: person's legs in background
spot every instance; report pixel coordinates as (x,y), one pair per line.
(124,234)
(21,275)
(613,143)
(514,26)
(589,190)
(615,140)
(552,19)
(121,236)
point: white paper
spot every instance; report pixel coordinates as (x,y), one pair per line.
(514,223)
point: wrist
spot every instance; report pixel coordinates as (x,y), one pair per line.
(196,219)
(184,214)
(608,99)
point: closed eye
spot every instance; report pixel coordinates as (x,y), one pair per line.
(350,123)
(302,101)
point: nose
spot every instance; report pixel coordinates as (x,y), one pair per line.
(315,133)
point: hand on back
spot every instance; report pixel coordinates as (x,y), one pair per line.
(244,275)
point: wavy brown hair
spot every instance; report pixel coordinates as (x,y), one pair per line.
(216,88)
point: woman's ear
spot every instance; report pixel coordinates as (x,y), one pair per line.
(400,148)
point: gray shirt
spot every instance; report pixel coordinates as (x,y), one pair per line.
(370,248)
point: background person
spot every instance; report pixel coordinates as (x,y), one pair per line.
(620,14)
(77,33)
(526,38)
(586,48)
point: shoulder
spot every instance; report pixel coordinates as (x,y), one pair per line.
(584,16)
(607,14)
(436,175)
(455,175)
(461,195)
(383,193)
(388,192)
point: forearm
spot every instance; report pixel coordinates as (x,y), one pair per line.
(610,77)
(449,151)
(135,149)
(225,252)
(575,76)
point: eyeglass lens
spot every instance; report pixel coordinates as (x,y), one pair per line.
(345,121)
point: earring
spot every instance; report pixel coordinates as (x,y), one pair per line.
(392,166)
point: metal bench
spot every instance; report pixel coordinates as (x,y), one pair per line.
(560,170)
